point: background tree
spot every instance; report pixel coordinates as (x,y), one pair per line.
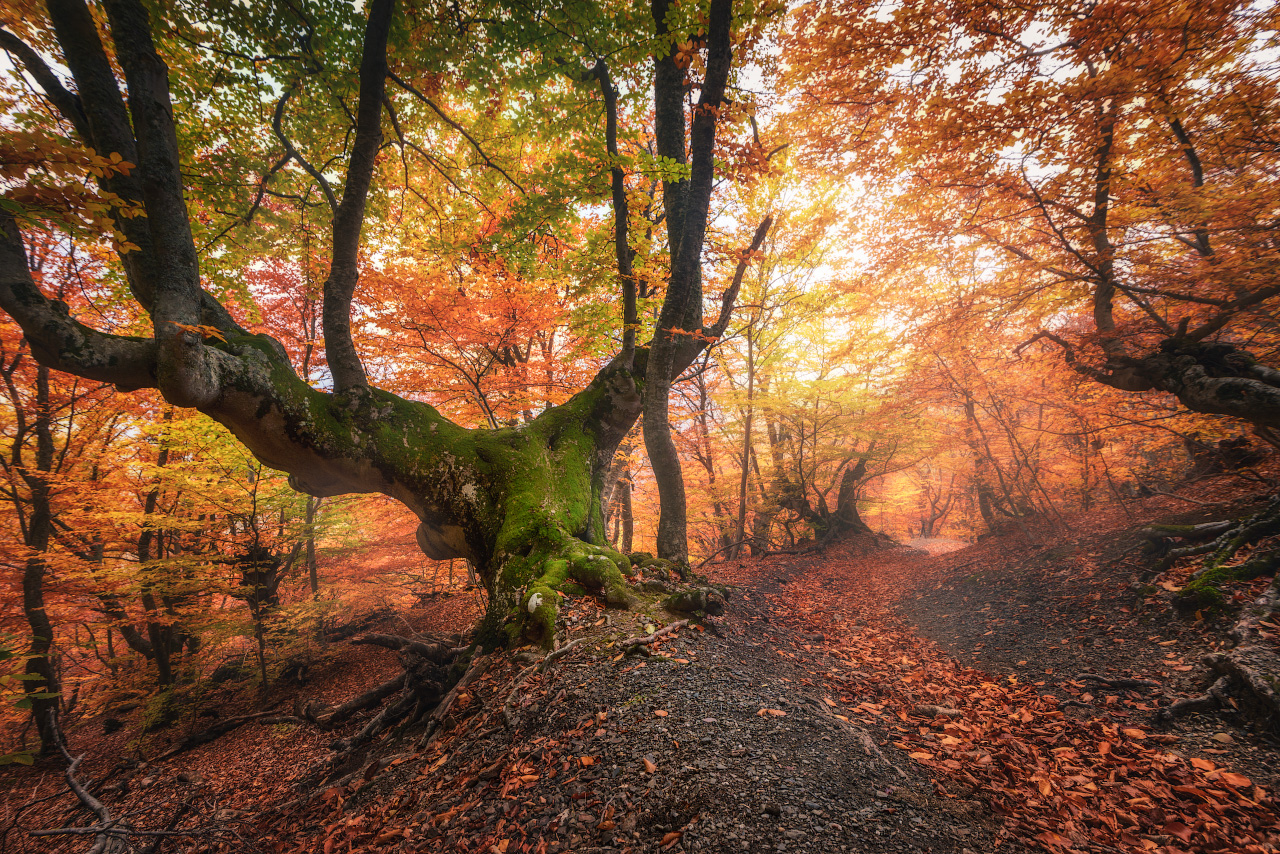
(1108,162)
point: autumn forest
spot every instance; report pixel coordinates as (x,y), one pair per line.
(694,425)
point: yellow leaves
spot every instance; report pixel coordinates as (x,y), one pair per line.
(650,766)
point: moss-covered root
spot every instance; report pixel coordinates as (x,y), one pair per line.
(1203,590)
(582,567)
(698,600)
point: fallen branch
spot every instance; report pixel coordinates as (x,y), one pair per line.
(1182,498)
(648,640)
(719,552)
(104,842)
(222,728)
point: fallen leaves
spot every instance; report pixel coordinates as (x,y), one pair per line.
(1064,782)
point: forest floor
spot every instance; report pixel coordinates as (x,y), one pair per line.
(893,701)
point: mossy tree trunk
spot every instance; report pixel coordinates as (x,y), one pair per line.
(522,504)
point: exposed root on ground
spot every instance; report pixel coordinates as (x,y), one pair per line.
(632,645)
(508,707)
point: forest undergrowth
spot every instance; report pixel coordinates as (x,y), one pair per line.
(1001,696)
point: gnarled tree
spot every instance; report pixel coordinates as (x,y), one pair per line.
(522,503)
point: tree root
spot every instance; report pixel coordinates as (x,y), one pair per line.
(1222,541)
(508,707)
(329,718)
(437,651)
(1213,700)
(475,670)
(222,728)
(1251,669)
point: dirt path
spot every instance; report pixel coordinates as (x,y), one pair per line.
(720,741)
(1068,762)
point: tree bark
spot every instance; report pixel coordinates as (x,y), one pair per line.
(313,576)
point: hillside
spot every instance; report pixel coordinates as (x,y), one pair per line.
(996,697)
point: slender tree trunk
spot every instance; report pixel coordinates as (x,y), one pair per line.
(313,507)
(740,532)
(40,661)
(151,548)
(675,343)
(625,511)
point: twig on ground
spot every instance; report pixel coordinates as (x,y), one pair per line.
(647,640)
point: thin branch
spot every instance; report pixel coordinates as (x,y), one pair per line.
(412,90)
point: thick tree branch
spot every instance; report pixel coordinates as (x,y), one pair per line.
(177,292)
(108,130)
(348,221)
(621,215)
(64,101)
(57,339)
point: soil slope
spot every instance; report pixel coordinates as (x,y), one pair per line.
(845,702)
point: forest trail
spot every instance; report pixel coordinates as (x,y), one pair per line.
(980,665)
(894,702)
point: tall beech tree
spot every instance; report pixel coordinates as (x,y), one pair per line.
(522,503)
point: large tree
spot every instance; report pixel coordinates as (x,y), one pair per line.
(522,502)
